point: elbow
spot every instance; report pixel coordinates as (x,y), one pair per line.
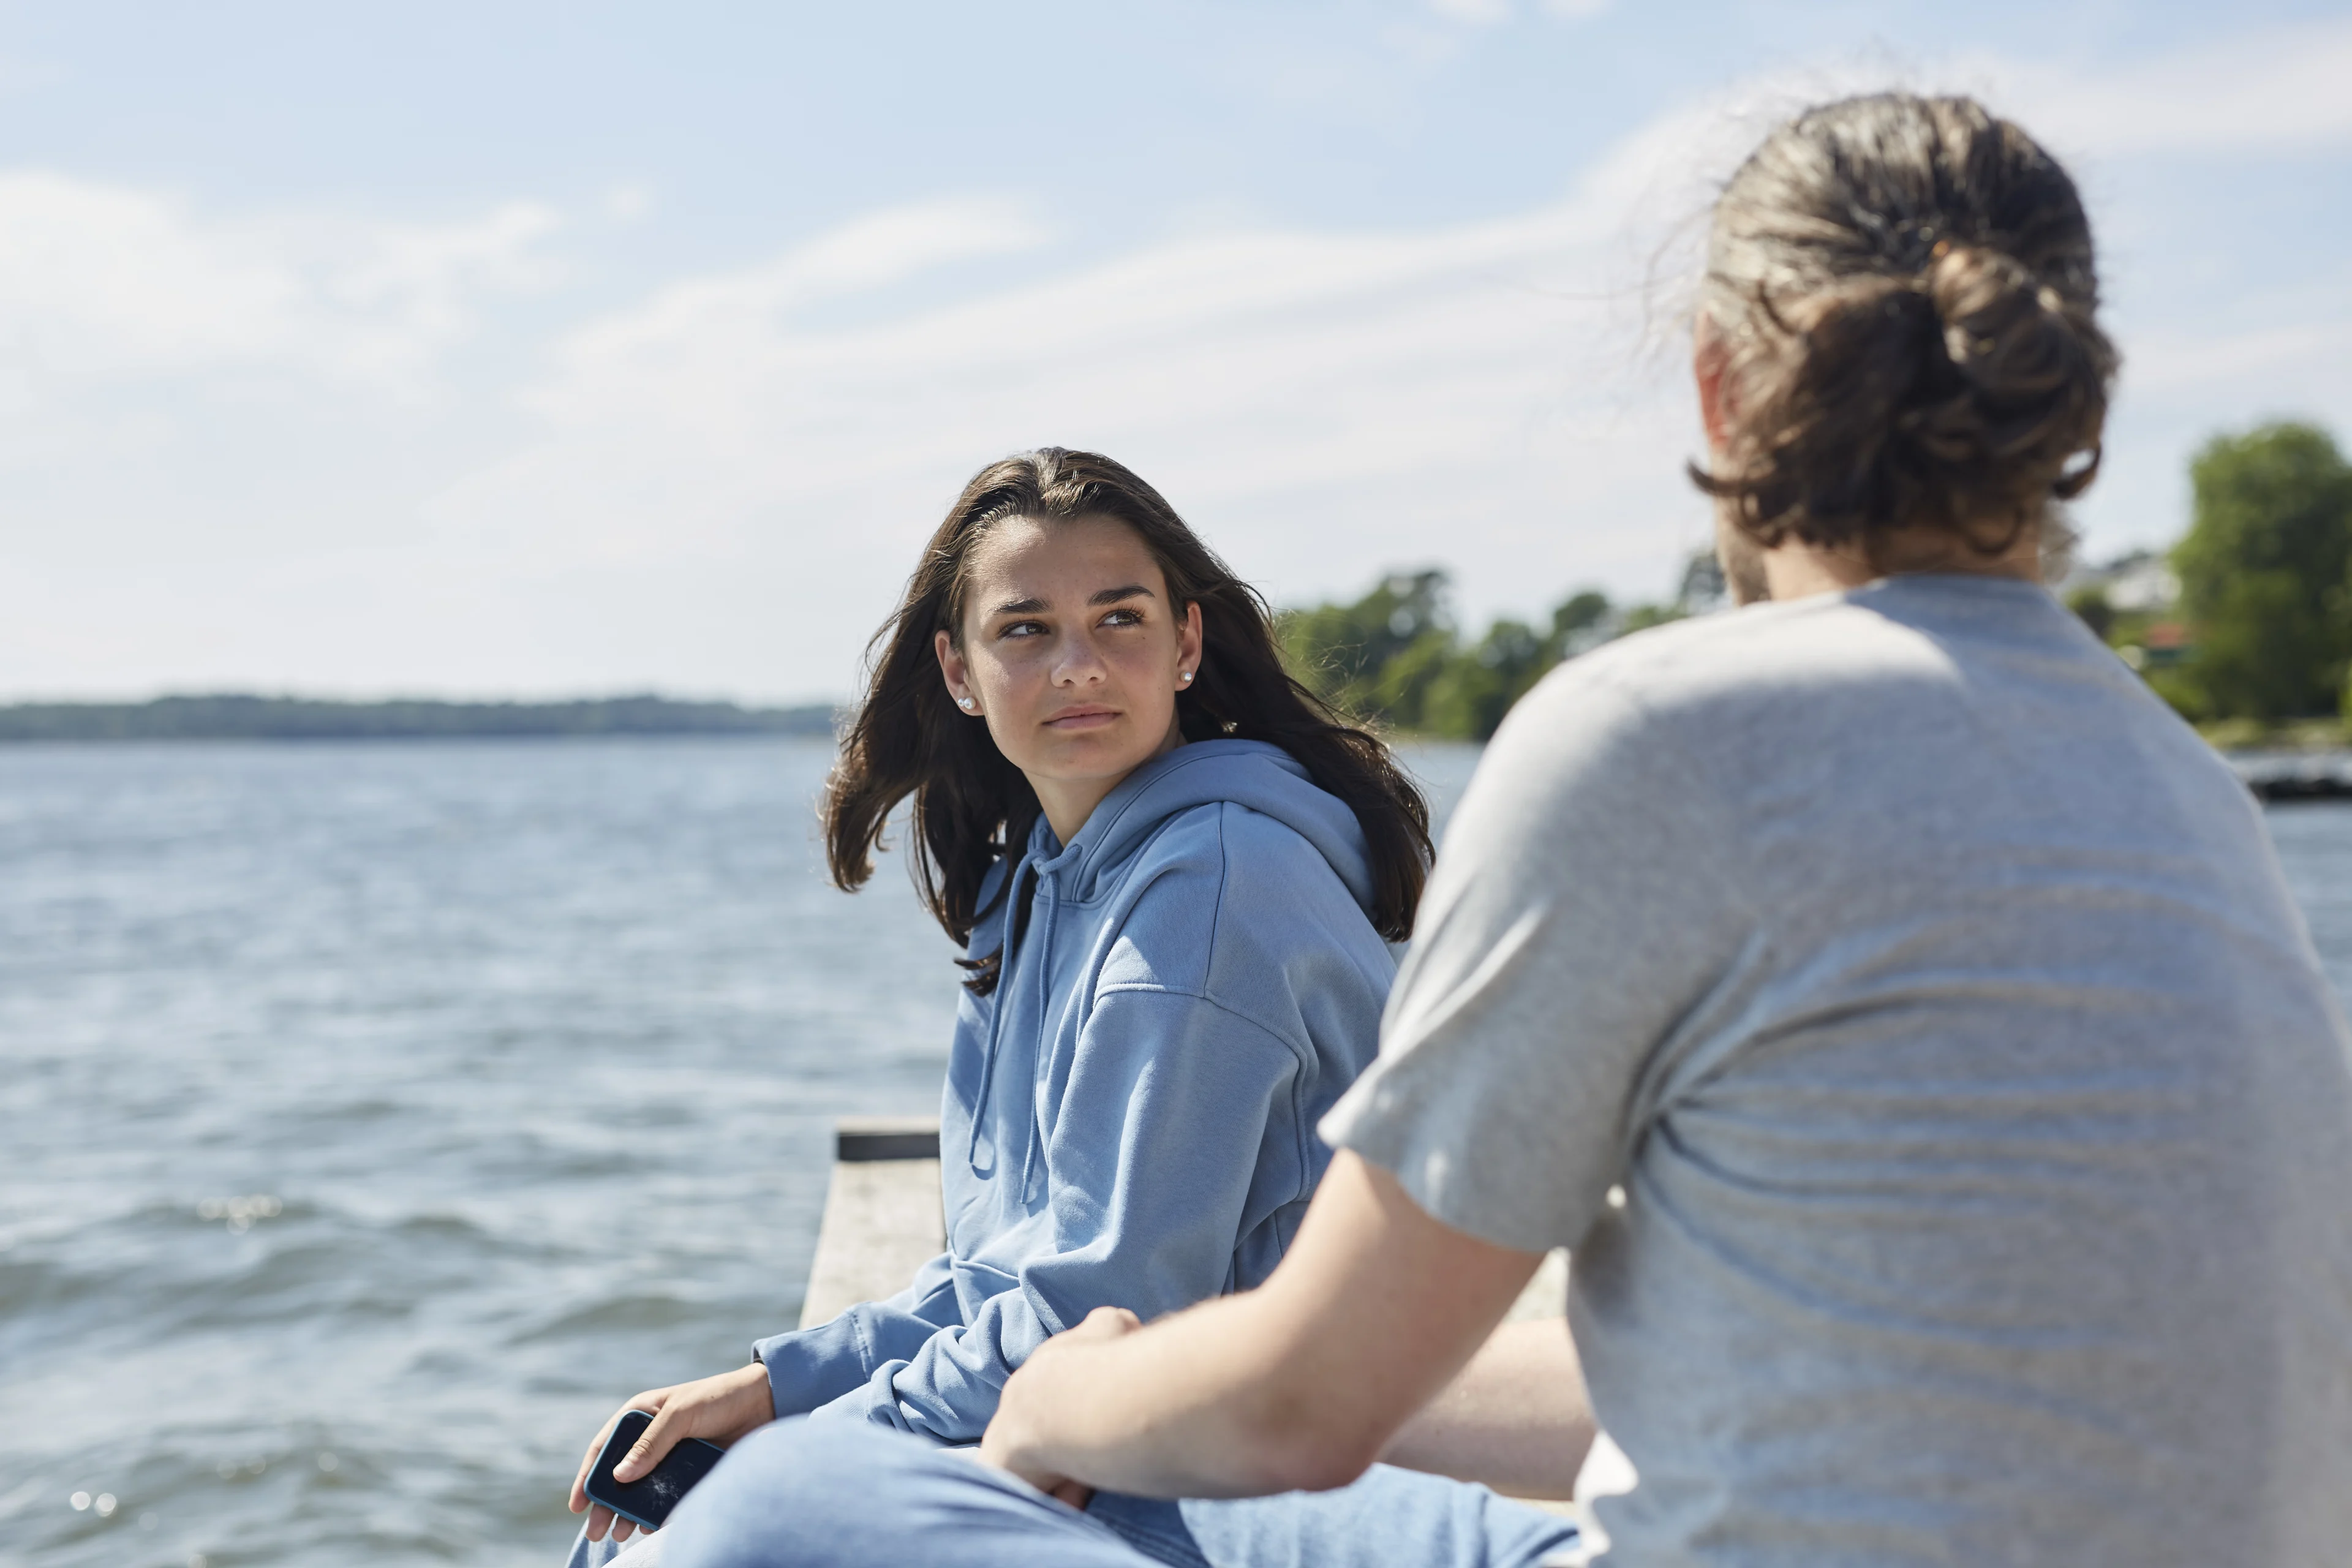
(1322,1469)
(1312,1449)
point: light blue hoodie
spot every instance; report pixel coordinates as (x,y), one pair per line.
(1130,1120)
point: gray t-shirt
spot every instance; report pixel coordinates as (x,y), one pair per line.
(1901,1014)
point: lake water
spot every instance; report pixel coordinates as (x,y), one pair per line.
(380,1116)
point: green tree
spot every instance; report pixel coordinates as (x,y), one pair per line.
(1341,651)
(1476,687)
(1395,655)
(1641,618)
(1399,691)
(2095,610)
(1576,623)
(2266,577)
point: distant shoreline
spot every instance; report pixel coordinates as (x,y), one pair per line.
(238,717)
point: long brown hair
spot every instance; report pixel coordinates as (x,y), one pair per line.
(972,808)
(1907,289)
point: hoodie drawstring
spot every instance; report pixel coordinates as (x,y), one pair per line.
(1051,889)
(1016,918)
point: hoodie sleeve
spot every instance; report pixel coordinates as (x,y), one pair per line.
(809,1367)
(1177,1127)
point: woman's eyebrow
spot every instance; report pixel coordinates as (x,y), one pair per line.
(1038,607)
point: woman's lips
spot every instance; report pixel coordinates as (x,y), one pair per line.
(1082,719)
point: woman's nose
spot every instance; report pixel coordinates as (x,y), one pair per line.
(1080,663)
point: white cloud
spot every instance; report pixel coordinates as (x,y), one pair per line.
(1321,405)
(1478,13)
(703,333)
(105,282)
(629,201)
(2285,89)
(1484,12)
(722,486)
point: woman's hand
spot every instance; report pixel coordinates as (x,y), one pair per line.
(717,1409)
(1004,1443)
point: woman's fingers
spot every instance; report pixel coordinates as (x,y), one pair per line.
(600,1519)
(653,1400)
(671,1421)
(721,1408)
(588,1463)
(1107,1323)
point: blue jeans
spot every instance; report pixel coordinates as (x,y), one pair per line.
(831,1495)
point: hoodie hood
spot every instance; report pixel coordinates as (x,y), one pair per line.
(1257,775)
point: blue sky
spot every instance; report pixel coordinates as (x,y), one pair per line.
(528,349)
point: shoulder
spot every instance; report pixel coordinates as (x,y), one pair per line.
(1633,748)
(1720,687)
(1210,855)
(1762,647)
(1222,886)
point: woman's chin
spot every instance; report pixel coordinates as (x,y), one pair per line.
(1090,756)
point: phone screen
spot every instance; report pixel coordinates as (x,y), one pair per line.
(648,1499)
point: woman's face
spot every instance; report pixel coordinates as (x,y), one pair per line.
(1072,655)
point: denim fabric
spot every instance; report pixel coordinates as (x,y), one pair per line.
(640,1550)
(803,1495)
(1390,1519)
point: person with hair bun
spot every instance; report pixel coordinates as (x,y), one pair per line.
(1895,1009)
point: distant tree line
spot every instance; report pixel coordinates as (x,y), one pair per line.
(2261,633)
(245,718)
(2252,630)
(1397,656)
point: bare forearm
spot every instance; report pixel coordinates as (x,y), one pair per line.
(1182,1410)
(1515,1419)
(1297,1384)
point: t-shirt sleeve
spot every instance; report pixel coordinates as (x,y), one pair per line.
(1584,904)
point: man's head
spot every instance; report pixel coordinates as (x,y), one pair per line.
(1897,352)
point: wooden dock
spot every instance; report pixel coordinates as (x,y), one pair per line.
(882,1218)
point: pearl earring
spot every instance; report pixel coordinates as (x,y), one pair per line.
(1185,675)
(964,703)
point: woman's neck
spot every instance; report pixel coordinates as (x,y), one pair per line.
(1068,802)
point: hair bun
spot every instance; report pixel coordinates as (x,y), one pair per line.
(1906,290)
(2005,329)
(2036,368)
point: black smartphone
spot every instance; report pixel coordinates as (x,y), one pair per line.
(648,1499)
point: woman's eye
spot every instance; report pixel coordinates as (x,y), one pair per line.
(1022,629)
(1123,618)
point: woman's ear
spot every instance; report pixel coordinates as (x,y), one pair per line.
(1188,646)
(956,672)
(1711,366)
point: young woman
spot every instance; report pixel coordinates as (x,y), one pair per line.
(1175,876)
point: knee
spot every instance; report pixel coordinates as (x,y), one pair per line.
(792,1492)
